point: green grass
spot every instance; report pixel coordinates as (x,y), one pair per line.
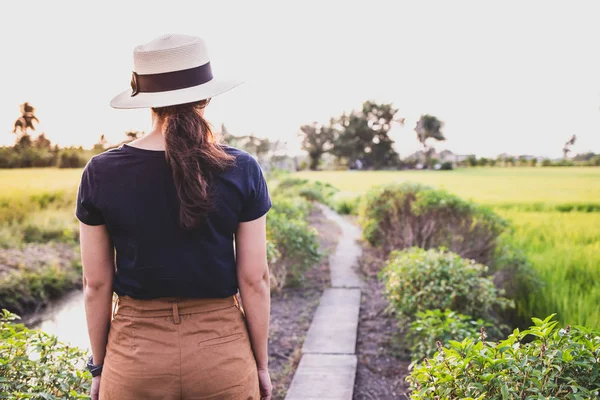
(36,181)
(564,247)
(514,187)
(565,251)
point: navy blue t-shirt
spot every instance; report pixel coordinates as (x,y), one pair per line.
(132,192)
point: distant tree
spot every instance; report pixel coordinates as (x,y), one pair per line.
(23,142)
(23,124)
(363,136)
(429,127)
(41,142)
(523,161)
(132,135)
(225,137)
(100,146)
(317,140)
(472,161)
(482,162)
(25,121)
(584,156)
(567,147)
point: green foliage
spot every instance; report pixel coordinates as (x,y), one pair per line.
(556,364)
(310,190)
(35,365)
(432,326)
(50,225)
(563,250)
(25,288)
(72,159)
(347,206)
(363,135)
(317,139)
(295,207)
(447,166)
(417,280)
(297,249)
(400,216)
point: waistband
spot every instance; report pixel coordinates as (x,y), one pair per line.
(166,306)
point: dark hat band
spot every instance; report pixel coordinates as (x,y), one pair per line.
(152,83)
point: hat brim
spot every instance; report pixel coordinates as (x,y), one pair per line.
(173,97)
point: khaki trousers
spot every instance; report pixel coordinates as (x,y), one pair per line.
(179,349)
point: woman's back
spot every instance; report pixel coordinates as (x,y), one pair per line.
(172,204)
(132,191)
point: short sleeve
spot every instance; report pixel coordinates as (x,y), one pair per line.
(86,209)
(257,201)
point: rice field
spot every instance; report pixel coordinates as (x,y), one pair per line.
(564,247)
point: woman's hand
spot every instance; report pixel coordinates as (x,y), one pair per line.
(266,387)
(96,387)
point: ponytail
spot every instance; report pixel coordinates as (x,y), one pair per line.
(194,158)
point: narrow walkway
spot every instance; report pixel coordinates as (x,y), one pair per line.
(328,365)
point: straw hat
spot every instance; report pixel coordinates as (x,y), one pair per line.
(170,70)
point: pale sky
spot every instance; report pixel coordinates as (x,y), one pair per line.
(505,76)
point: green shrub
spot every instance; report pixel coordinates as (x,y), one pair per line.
(400,216)
(295,207)
(418,280)
(447,166)
(35,365)
(347,206)
(297,249)
(432,326)
(557,364)
(310,190)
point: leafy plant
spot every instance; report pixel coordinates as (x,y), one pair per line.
(432,326)
(347,206)
(418,280)
(556,364)
(294,207)
(35,365)
(400,216)
(297,249)
(310,190)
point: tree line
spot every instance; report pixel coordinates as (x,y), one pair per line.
(28,152)
(360,139)
(356,140)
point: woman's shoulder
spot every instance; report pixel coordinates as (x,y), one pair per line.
(243,159)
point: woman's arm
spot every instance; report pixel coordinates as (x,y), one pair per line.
(97,257)
(253,279)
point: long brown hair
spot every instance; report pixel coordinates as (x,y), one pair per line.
(194,157)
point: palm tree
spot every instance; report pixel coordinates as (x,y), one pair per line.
(25,121)
(567,147)
(429,127)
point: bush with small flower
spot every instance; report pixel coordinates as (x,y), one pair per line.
(556,364)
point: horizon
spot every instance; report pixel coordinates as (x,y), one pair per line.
(504,78)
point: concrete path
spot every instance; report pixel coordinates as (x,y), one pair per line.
(344,260)
(328,365)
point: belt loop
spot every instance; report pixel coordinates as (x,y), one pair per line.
(238,305)
(176,319)
(115,307)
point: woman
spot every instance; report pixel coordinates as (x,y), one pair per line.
(159,217)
